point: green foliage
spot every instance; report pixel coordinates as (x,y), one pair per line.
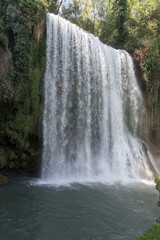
(2,33)
(114,29)
(152,233)
(53,6)
(20,103)
(3,158)
(84,13)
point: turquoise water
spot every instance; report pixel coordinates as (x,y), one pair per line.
(29,211)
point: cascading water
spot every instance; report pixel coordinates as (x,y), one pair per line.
(92,105)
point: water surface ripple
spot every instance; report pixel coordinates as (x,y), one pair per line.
(29,211)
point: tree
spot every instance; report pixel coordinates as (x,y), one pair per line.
(113,26)
(84,13)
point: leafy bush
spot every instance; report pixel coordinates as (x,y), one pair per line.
(153,233)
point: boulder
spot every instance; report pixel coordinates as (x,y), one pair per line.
(3,180)
(157,181)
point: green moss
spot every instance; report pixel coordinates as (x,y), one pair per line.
(12,165)
(24,164)
(153,233)
(3,158)
(20,99)
(12,155)
(24,156)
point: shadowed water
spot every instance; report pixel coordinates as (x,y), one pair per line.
(30,211)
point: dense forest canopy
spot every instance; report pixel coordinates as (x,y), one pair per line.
(126,24)
(132,25)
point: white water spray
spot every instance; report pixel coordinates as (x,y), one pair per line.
(92,105)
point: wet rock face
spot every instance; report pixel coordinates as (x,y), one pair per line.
(3,180)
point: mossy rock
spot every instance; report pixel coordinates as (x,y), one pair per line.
(3,180)
(157,181)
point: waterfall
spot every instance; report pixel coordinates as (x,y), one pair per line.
(92,107)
